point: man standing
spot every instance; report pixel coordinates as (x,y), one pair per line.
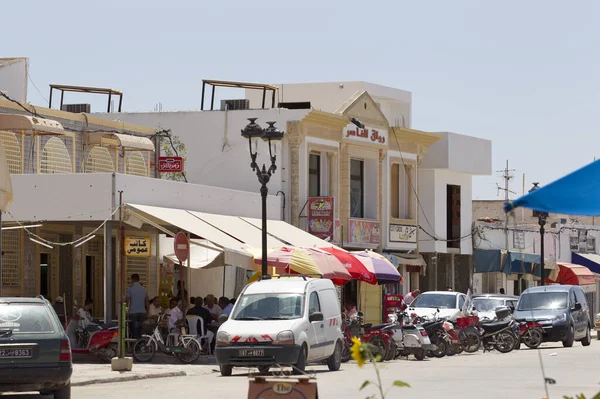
(138,304)
(411,296)
(502,292)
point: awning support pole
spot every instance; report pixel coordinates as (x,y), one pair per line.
(0,253)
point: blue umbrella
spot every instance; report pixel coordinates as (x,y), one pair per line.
(577,193)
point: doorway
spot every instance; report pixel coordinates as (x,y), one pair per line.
(45,275)
(90,277)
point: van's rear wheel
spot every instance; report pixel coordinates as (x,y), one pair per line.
(335,360)
(226,371)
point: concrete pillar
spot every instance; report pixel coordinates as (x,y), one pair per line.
(108,272)
(294,140)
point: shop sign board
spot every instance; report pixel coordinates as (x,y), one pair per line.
(170,164)
(367,135)
(320,217)
(403,233)
(363,231)
(140,247)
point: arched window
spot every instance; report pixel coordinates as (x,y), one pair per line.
(55,157)
(12,149)
(98,160)
(136,164)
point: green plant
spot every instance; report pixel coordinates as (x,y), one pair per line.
(582,396)
(361,352)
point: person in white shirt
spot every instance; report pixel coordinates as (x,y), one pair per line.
(214,309)
(176,317)
(225,305)
(411,296)
(154,309)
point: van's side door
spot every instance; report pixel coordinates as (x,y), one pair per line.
(582,315)
(333,320)
(316,336)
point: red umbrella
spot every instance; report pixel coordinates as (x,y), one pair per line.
(355,267)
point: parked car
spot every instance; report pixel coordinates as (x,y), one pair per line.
(35,354)
(282,321)
(485,304)
(562,310)
(449,304)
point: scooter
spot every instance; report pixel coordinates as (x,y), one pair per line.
(468,333)
(101,342)
(379,337)
(438,335)
(530,333)
(408,338)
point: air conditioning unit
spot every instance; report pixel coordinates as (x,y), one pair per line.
(77,108)
(233,105)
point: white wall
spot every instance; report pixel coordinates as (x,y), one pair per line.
(13,78)
(217,153)
(395,104)
(434,204)
(460,153)
(89,196)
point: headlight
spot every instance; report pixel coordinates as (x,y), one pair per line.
(222,338)
(285,338)
(561,317)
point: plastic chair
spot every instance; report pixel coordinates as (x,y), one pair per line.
(193,325)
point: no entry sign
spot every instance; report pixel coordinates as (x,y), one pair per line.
(170,164)
(181,246)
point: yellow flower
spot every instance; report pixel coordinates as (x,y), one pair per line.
(358,351)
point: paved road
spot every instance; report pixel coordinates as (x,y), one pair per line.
(489,375)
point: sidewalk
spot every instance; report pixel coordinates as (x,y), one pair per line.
(94,373)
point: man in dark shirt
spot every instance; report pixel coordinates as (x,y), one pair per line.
(199,310)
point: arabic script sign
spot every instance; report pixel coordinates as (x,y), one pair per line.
(403,233)
(138,246)
(366,135)
(170,164)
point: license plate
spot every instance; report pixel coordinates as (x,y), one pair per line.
(15,353)
(251,352)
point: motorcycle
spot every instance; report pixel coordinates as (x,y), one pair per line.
(468,333)
(530,333)
(99,340)
(499,333)
(380,338)
(408,339)
(351,329)
(438,336)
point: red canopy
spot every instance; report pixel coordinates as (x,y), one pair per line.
(569,273)
(357,270)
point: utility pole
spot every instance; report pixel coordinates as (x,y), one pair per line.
(506,176)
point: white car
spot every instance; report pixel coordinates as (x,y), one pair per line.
(449,304)
(282,321)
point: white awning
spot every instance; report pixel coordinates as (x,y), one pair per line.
(234,254)
(200,256)
(240,229)
(39,126)
(6,191)
(125,141)
(288,233)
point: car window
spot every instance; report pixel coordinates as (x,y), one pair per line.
(461,301)
(313,304)
(543,301)
(572,299)
(25,318)
(271,306)
(580,296)
(426,300)
(511,304)
(486,304)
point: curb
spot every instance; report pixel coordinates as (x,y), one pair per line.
(125,378)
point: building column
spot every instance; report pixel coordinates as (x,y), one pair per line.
(344,194)
(294,139)
(380,185)
(108,272)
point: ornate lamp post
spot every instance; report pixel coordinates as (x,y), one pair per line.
(272,135)
(542,216)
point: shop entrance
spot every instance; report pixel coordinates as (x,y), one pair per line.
(90,277)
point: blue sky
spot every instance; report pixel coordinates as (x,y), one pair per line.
(525,74)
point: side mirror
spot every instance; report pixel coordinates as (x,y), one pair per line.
(577,306)
(317,316)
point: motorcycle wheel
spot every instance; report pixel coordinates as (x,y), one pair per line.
(108,353)
(472,342)
(419,354)
(533,338)
(142,352)
(450,349)
(380,347)
(194,347)
(441,350)
(505,342)
(391,353)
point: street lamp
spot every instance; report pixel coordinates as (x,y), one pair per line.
(542,216)
(272,135)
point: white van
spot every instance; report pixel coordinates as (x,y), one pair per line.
(282,321)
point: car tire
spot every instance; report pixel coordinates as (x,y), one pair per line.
(300,365)
(335,360)
(587,340)
(63,393)
(226,370)
(567,343)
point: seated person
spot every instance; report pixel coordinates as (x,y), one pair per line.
(204,314)
(176,318)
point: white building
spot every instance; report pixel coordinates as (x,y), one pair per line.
(13,77)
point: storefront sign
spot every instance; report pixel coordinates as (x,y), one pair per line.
(366,135)
(518,239)
(403,233)
(138,246)
(320,217)
(364,231)
(170,164)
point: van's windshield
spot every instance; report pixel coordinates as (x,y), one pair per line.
(269,306)
(543,301)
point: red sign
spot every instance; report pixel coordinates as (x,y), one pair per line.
(181,246)
(364,231)
(170,164)
(320,217)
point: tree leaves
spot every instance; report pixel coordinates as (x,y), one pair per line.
(364,385)
(401,384)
